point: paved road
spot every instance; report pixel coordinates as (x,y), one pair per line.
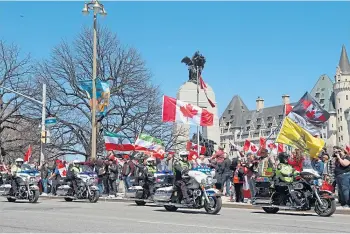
(58,216)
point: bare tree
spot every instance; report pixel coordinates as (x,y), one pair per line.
(135,103)
(16,129)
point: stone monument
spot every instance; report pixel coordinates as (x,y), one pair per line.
(188,93)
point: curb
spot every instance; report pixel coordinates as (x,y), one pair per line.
(224,205)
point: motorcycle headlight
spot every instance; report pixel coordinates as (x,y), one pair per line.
(209,180)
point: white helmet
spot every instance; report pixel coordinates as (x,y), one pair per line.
(183,153)
(19,160)
(76,162)
(150,159)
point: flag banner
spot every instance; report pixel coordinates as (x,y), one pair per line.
(250,147)
(312,129)
(61,168)
(151,144)
(117,142)
(204,87)
(295,136)
(28,154)
(309,109)
(271,146)
(234,147)
(287,108)
(103,94)
(178,111)
(192,146)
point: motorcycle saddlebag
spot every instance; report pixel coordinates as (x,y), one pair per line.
(133,191)
(163,194)
(62,190)
(5,189)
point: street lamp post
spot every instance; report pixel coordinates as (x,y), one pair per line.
(97,8)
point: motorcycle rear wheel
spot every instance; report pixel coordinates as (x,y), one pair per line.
(10,199)
(213,208)
(326,210)
(140,203)
(171,208)
(34,197)
(95,195)
(271,210)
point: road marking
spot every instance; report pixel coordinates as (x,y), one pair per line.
(103,218)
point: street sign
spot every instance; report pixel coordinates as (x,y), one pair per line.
(50,121)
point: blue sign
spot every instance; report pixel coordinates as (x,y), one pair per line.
(50,121)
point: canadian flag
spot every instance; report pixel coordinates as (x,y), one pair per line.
(287,109)
(347,148)
(178,111)
(270,145)
(250,147)
(192,146)
(61,168)
(246,189)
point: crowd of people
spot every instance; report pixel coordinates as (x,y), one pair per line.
(230,174)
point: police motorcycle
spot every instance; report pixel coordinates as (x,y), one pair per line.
(199,183)
(148,181)
(27,188)
(86,183)
(297,191)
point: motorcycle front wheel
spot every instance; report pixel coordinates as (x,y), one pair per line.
(214,205)
(95,195)
(140,203)
(34,196)
(327,209)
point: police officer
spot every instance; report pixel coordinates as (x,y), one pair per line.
(285,173)
(75,170)
(16,180)
(149,172)
(181,168)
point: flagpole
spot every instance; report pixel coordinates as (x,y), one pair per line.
(198,106)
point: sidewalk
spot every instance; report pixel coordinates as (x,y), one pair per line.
(225,203)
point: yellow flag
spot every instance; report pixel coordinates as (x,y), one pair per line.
(295,136)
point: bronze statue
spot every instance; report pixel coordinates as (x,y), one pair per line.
(197,61)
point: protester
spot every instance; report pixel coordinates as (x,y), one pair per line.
(219,156)
(251,165)
(44,172)
(112,173)
(342,176)
(127,171)
(238,180)
(227,175)
(296,161)
(317,165)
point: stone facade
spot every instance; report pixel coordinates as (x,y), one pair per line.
(238,123)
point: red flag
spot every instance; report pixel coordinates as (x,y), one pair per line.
(28,154)
(250,147)
(204,87)
(191,146)
(262,143)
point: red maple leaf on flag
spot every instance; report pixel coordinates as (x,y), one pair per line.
(64,173)
(188,111)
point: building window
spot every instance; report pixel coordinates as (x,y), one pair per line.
(341,118)
(269,118)
(338,111)
(227,124)
(321,101)
(232,116)
(332,125)
(248,128)
(258,127)
(280,117)
(248,121)
(341,110)
(258,120)
(229,111)
(338,100)
(269,125)
(341,137)
(317,95)
(341,128)
(347,97)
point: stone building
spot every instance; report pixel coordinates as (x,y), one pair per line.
(238,123)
